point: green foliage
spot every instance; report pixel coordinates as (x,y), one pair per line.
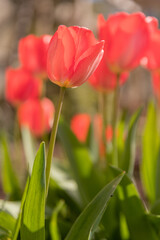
(33,216)
(150,148)
(87,222)
(86,175)
(127,162)
(9,179)
(7,223)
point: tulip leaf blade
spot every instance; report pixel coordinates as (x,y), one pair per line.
(33,216)
(7,222)
(86,175)
(150,145)
(134,210)
(85,225)
(129,150)
(9,179)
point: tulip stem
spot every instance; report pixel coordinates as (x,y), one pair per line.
(104,121)
(53,136)
(114,121)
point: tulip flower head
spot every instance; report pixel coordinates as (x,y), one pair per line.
(151,61)
(73,55)
(104,80)
(127,39)
(33,53)
(21,85)
(37,115)
(80,126)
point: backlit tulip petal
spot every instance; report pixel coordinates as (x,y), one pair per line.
(37,115)
(87,64)
(21,85)
(73,55)
(127,39)
(152,57)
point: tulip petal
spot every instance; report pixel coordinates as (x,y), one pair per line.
(60,55)
(87,64)
(130,42)
(83,39)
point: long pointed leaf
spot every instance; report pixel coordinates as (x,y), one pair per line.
(9,179)
(33,221)
(89,219)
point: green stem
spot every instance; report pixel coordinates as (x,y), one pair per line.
(114,121)
(104,116)
(53,137)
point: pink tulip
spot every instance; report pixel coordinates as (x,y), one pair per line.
(21,85)
(127,39)
(73,55)
(37,115)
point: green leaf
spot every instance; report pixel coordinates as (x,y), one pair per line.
(150,146)
(28,145)
(86,224)
(33,220)
(129,152)
(86,175)
(7,222)
(9,179)
(18,222)
(155,221)
(134,212)
(55,235)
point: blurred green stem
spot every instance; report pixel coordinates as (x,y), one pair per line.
(114,121)
(104,120)
(53,136)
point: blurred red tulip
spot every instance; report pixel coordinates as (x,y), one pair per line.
(37,115)
(80,126)
(33,53)
(109,133)
(21,85)
(152,58)
(104,80)
(127,39)
(73,55)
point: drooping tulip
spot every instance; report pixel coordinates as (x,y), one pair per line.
(127,38)
(104,80)
(33,53)
(21,85)
(37,115)
(73,55)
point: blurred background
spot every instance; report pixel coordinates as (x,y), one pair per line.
(19,18)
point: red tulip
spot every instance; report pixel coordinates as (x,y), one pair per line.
(152,58)
(73,55)
(127,39)
(33,53)
(80,126)
(37,115)
(21,85)
(104,80)
(109,133)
